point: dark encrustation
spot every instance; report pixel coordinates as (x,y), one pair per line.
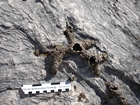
(80,47)
(116,92)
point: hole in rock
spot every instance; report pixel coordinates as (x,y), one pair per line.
(92,60)
(77,47)
(114,88)
(65,32)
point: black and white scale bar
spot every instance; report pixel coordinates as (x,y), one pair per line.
(46,88)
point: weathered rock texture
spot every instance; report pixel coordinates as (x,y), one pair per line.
(27,25)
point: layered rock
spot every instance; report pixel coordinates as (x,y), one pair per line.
(28,25)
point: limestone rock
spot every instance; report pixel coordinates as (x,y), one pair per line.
(27,25)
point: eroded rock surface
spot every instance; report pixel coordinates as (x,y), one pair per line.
(28,25)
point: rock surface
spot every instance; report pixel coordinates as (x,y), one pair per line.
(26,25)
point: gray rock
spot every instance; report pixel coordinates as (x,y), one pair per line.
(27,25)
